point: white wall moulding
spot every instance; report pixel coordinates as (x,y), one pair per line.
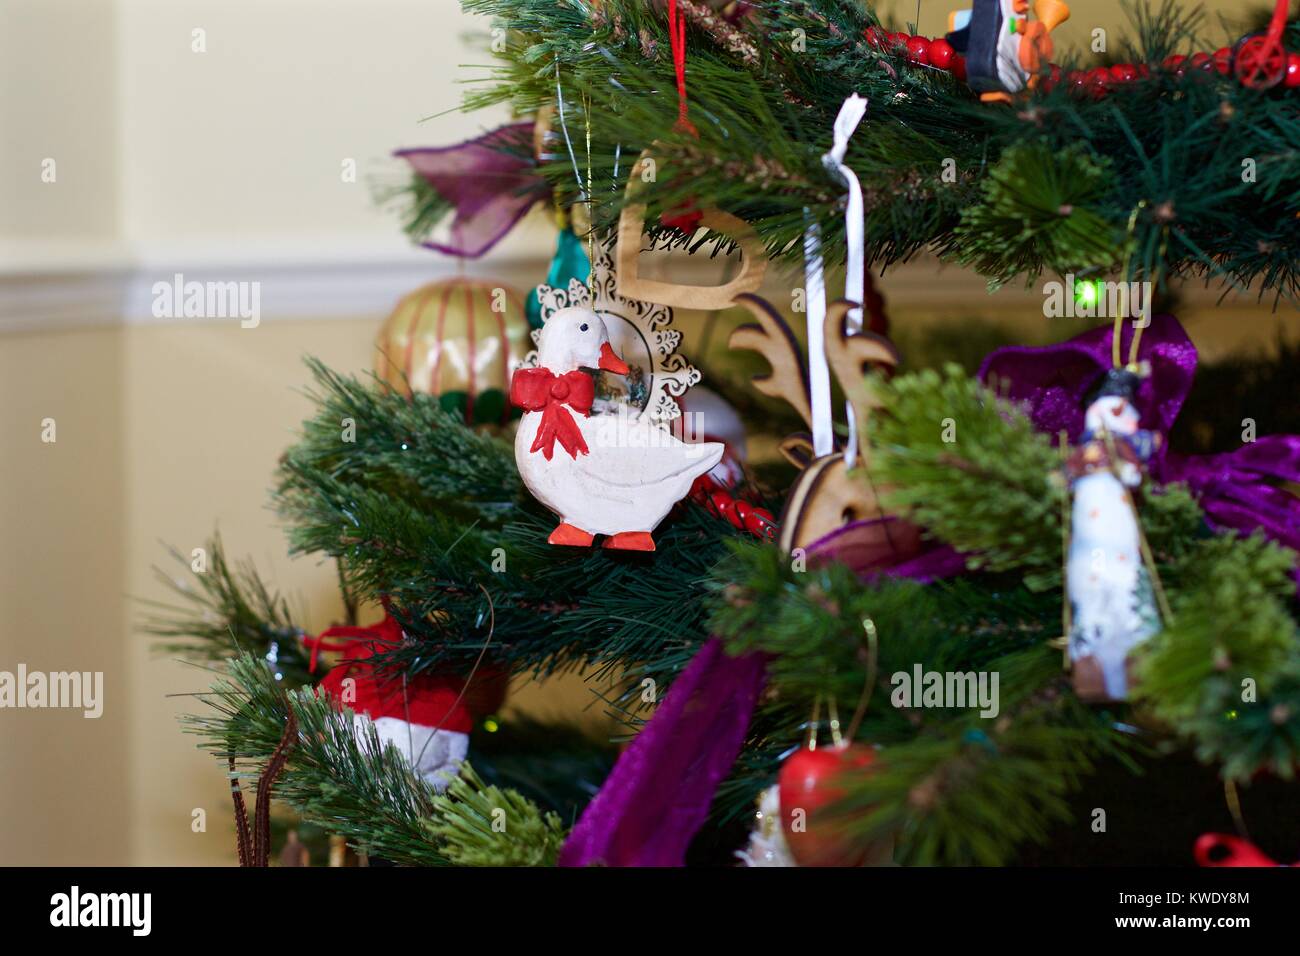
(55,285)
(87,286)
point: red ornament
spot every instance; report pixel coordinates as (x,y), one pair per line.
(1220,849)
(897,40)
(439,700)
(1293,70)
(1176,64)
(876,37)
(1052,79)
(941,53)
(1202,61)
(959,67)
(1223,60)
(809,782)
(918,50)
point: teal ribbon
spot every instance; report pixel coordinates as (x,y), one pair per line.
(570,262)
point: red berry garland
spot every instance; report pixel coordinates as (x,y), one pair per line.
(1257,63)
(918,50)
(737,512)
(941,53)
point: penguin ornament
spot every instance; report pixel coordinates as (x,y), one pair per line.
(1004,49)
(1112,593)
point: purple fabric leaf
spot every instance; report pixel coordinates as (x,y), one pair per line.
(658,794)
(491,182)
(1236,489)
(1051,381)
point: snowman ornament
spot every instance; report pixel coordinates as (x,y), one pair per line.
(616,474)
(1110,591)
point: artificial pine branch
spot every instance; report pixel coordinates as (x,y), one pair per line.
(482,825)
(229,610)
(1035,213)
(972,470)
(1174,145)
(1231,624)
(971,796)
(348,783)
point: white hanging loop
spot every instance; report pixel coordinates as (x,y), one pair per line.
(819,380)
(819,373)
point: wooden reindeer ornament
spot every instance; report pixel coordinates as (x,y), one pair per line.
(631,224)
(828,498)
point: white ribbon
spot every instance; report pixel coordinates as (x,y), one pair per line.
(819,379)
(819,373)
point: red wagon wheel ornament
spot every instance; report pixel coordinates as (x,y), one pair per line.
(1260,60)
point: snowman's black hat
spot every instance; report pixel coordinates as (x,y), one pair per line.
(1114,383)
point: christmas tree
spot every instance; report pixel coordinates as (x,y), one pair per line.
(973,602)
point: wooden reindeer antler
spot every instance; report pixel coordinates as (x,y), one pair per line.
(631,223)
(851,355)
(827,497)
(773,339)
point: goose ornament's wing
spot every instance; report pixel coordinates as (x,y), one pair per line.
(629,453)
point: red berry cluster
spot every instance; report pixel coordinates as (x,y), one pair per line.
(740,513)
(1095,82)
(920,50)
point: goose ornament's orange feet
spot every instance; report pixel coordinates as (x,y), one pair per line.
(631,541)
(571,536)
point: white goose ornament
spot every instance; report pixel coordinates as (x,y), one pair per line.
(615,475)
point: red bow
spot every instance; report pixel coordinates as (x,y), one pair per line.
(540,389)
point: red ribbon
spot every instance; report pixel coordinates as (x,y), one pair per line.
(387,631)
(684,217)
(540,389)
(677,41)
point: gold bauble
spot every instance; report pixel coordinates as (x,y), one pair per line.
(460,339)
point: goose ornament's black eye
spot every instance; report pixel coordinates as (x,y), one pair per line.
(583,327)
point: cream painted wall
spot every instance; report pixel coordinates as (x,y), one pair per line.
(65,790)
(227,160)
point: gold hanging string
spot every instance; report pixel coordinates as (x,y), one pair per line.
(591,199)
(869,630)
(1234,807)
(1148,558)
(811,740)
(1121,315)
(1137,329)
(834,714)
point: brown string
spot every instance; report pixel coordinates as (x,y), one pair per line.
(254,844)
(242,837)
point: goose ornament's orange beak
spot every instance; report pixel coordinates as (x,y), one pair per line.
(611,362)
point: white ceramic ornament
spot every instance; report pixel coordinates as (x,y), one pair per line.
(1112,602)
(617,473)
